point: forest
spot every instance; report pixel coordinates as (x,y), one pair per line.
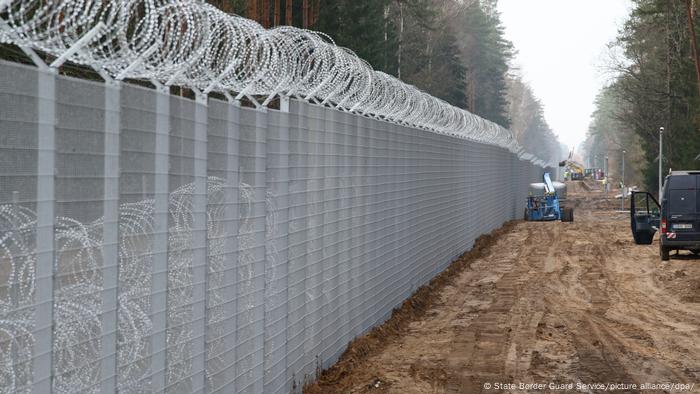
(452,49)
(654,83)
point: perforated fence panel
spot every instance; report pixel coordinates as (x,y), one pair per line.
(152,243)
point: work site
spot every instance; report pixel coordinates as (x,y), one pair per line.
(557,307)
(349,196)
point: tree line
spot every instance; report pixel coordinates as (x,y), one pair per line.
(655,85)
(453,49)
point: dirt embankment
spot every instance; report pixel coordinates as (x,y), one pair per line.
(539,303)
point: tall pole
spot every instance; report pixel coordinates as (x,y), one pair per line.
(661,158)
(607,178)
(595,164)
(622,199)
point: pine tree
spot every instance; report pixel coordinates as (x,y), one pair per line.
(528,123)
(358,25)
(656,86)
(452,49)
(486,54)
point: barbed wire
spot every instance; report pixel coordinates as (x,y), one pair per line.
(193,44)
(78,291)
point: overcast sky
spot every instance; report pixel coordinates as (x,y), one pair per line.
(562,48)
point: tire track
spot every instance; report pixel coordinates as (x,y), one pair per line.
(487,349)
(550,302)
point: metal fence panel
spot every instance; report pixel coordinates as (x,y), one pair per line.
(78,241)
(19,181)
(153,243)
(137,239)
(276,251)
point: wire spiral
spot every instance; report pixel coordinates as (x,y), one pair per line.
(193,44)
(78,291)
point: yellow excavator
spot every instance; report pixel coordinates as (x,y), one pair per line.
(574,171)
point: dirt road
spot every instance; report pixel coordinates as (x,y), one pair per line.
(545,303)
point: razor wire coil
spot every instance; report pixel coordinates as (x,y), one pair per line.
(193,44)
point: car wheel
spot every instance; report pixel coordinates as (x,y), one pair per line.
(664,252)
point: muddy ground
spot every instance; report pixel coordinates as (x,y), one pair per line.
(542,302)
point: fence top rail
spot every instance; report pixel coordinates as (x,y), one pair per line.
(195,45)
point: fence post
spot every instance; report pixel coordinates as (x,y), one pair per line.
(373,217)
(231,231)
(252,257)
(110,237)
(276,270)
(159,282)
(314,250)
(42,368)
(296,271)
(328,234)
(362,218)
(200,263)
(232,225)
(258,216)
(344,261)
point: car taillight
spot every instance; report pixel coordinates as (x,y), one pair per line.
(663,226)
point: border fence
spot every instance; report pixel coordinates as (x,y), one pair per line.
(151,243)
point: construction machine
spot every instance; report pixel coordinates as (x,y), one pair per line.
(546,202)
(574,170)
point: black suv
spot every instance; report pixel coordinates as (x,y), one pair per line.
(677,218)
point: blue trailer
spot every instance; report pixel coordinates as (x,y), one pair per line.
(547,206)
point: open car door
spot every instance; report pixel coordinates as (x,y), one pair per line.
(645,213)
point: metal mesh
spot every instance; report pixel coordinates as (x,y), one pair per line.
(223,226)
(152,243)
(137,157)
(18,225)
(79,207)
